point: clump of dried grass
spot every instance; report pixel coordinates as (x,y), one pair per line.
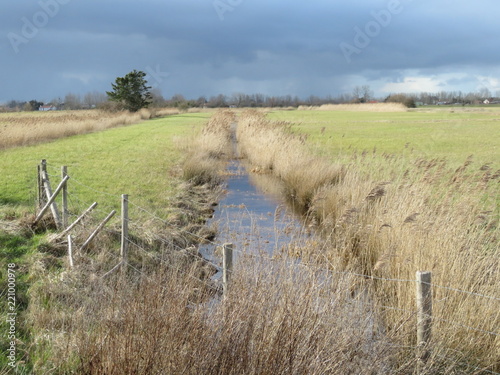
(274,320)
(270,146)
(208,151)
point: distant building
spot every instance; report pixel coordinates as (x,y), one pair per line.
(486,101)
(49,107)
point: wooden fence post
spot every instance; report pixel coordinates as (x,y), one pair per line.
(97,230)
(124,237)
(64,173)
(41,196)
(49,195)
(50,203)
(227,265)
(424,317)
(70,250)
(94,205)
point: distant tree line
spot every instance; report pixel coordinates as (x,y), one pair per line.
(359,94)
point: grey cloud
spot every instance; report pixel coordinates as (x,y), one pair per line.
(260,45)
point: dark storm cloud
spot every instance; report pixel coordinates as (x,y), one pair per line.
(206,47)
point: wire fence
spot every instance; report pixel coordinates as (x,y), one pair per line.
(165,222)
(137,229)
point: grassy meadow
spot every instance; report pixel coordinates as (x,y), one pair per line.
(30,128)
(452,133)
(142,160)
(389,193)
(136,160)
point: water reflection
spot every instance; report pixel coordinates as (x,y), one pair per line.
(252,215)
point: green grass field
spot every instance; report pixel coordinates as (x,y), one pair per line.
(455,237)
(141,160)
(453,134)
(134,160)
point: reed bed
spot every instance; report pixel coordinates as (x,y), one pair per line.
(207,151)
(274,320)
(384,218)
(272,148)
(30,128)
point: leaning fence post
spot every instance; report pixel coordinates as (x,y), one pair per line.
(124,237)
(50,203)
(227,265)
(51,196)
(97,230)
(424,316)
(64,173)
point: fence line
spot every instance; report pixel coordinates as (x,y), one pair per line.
(162,261)
(154,216)
(465,326)
(160,258)
(176,247)
(167,223)
(465,292)
(318,267)
(95,190)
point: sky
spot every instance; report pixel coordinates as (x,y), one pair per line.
(49,48)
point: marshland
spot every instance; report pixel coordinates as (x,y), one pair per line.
(381,192)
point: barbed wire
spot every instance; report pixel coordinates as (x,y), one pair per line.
(174,245)
(463,291)
(95,190)
(169,224)
(317,267)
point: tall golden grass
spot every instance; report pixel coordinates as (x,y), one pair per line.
(29,128)
(207,152)
(271,147)
(395,220)
(358,107)
(274,320)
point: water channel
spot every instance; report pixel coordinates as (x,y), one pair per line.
(253,215)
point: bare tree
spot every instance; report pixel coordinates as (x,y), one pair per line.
(72,101)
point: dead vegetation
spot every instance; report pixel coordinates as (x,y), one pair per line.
(272,148)
(281,317)
(208,152)
(30,128)
(384,219)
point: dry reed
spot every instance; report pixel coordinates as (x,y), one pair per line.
(420,217)
(207,152)
(29,128)
(274,320)
(271,147)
